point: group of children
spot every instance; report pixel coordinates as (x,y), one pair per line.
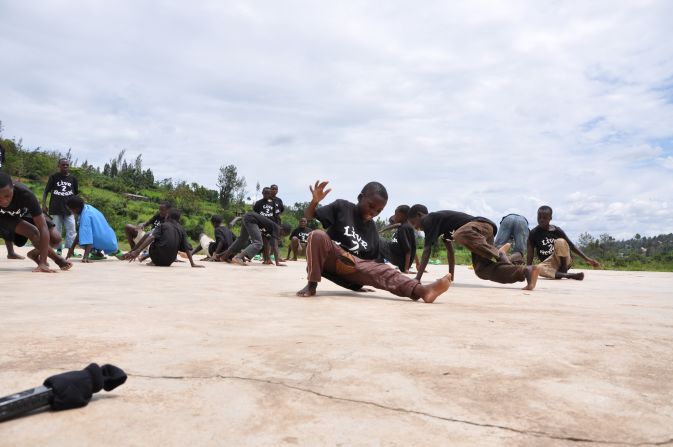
(349,251)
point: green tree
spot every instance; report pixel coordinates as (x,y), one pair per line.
(231,187)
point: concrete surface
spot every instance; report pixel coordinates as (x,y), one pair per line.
(227,355)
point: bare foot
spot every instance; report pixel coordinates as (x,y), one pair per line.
(14,256)
(65,265)
(309,290)
(238,261)
(505,248)
(430,292)
(532,273)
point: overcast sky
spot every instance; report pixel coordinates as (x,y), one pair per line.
(484,107)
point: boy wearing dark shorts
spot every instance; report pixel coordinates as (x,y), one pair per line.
(135,234)
(475,234)
(21,219)
(401,249)
(164,242)
(346,252)
(552,247)
(298,240)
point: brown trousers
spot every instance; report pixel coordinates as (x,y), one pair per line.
(325,258)
(552,264)
(478,238)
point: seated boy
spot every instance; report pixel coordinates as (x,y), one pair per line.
(223,240)
(21,219)
(165,241)
(475,234)
(298,240)
(93,233)
(401,249)
(347,251)
(552,246)
(136,233)
(513,227)
(254,228)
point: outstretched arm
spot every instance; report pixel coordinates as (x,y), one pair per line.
(530,253)
(592,262)
(425,257)
(389,227)
(276,255)
(133,254)
(318,193)
(451,258)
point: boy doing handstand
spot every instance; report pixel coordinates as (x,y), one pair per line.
(346,252)
(475,234)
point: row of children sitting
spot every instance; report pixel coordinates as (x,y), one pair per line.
(348,252)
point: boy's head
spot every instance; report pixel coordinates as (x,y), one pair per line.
(216,220)
(266,193)
(544,216)
(64,166)
(401,214)
(371,200)
(274,190)
(174,214)
(6,190)
(303,222)
(416,214)
(285,229)
(164,208)
(75,204)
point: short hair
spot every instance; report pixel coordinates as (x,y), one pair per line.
(216,219)
(404,209)
(166,203)
(63,159)
(271,187)
(5,180)
(74,203)
(174,214)
(416,210)
(545,209)
(266,188)
(375,188)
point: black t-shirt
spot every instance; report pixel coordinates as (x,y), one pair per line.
(301,234)
(224,235)
(154,221)
(60,187)
(265,208)
(268,227)
(403,241)
(444,223)
(24,203)
(543,240)
(344,226)
(2,156)
(169,238)
(278,209)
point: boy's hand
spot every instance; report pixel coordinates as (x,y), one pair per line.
(130,256)
(318,190)
(595,264)
(43,268)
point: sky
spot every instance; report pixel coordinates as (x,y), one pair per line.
(485,107)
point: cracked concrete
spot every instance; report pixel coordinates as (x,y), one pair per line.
(228,356)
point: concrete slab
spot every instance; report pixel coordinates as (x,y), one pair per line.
(228,355)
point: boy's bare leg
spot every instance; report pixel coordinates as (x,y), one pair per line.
(238,260)
(430,292)
(294,245)
(531,274)
(11,254)
(502,253)
(309,290)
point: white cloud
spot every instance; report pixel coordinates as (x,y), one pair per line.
(478,106)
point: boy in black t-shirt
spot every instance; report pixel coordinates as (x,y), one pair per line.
(278,204)
(266,207)
(61,185)
(165,241)
(298,240)
(346,252)
(552,247)
(474,233)
(223,240)
(254,227)
(401,249)
(135,234)
(21,219)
